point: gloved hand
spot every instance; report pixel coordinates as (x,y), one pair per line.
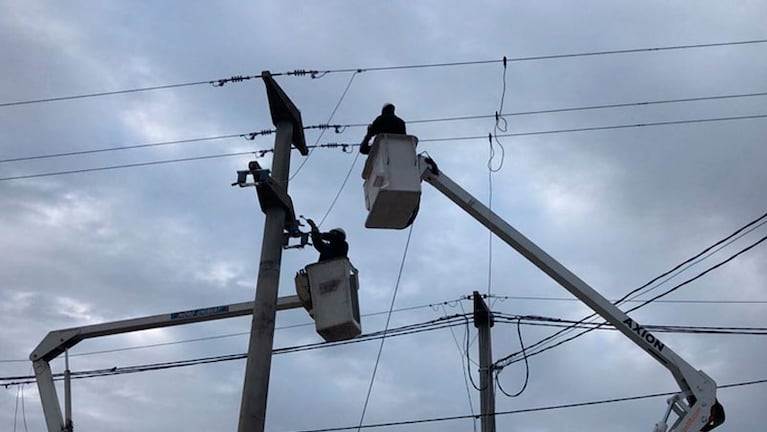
(312,224)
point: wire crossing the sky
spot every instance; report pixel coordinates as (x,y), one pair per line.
(319,74)
(524,410)
(669,274)
(510,359)
(339,128)
(442,139)
(444,322)
(527,320)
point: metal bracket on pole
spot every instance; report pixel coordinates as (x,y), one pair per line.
(483,316)
(270,194)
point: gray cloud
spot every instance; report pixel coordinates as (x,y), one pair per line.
(618,207)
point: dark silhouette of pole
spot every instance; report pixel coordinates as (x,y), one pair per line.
(483,321)
(287,119)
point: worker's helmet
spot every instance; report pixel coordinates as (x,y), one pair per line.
(340,232)
(387,107)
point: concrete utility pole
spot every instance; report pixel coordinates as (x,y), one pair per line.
(287,118)
(483,321)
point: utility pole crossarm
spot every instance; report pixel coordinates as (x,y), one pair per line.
(698,389)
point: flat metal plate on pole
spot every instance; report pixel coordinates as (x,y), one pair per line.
(284,110)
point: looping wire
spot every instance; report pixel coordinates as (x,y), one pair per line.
(452,304)
(527,365)
(493,141)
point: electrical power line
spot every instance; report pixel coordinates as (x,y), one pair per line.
(340,189)
(427,326)
(535,320)
(131,165)
(679,301)
(105,93)
(698,276)
(509,359)
(316,142)
(444,139)
(586,108)
(543,57)
(437,324)
(131,147)
(500,318)
(386,328)
(446,321)
(340,127)
(677,271)
(465,364)
(713,248)
(494,169)
(322,132)
(228,335)
(215,83)
(599,128)
(524,410)
(319,74)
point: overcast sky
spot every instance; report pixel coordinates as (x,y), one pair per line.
(616,206)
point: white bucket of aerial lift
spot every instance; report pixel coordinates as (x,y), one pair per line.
(392,181)
(328,291)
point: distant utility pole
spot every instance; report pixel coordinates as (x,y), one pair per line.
(483,321)
(275,202)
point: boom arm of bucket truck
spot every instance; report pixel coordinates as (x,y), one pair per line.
(695,406)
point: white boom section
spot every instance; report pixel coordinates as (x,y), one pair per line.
(693,406)
(57,341)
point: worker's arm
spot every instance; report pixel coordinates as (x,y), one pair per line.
(365,144)
(317,240)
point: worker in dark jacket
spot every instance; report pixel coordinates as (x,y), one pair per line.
(387,122)
(330,245)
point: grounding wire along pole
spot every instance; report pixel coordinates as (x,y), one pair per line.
(287,119)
